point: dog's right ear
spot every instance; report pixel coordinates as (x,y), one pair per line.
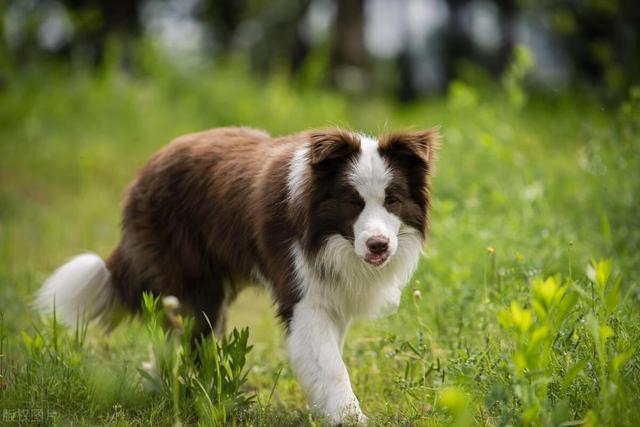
(330,145)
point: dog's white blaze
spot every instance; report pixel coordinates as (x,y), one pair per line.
(370,176)
(298,174)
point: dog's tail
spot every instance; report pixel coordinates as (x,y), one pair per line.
(79,291)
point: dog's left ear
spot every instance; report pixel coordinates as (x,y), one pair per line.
(419,145)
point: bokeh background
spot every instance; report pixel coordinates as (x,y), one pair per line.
(405,48)
(538,104)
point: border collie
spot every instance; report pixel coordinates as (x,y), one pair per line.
(331,222)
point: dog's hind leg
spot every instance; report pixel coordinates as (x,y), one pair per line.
(210,301)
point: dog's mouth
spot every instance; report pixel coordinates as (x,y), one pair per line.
(376,259)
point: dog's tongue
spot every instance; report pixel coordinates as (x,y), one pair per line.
(376,259)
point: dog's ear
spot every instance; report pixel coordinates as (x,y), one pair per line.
(330,145)
(419,145)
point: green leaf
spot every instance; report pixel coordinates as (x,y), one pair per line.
(566,305)
(545,290)
(602,273)
(561,412)
(619,361)
(612,297)
(520,362)
(521,317)
(572,373)
(538,336)
(606,332)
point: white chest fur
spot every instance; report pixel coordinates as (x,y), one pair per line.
(342,283)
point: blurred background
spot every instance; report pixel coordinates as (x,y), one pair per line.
(404,48)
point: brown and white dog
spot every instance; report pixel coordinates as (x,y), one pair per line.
(331,222)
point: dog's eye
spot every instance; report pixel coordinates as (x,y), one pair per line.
(391,200)
(352,199)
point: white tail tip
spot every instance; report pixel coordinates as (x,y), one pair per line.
(80,290)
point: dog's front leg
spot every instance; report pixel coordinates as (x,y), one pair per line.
(314,344)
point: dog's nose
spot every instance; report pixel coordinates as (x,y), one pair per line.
(378,244)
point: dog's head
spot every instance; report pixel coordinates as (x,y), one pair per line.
(365,191)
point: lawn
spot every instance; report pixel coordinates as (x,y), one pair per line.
(524,310)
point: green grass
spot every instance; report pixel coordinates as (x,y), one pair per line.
(521,194)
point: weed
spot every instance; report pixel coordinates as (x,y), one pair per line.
(197,374)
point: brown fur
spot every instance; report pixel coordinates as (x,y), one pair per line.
(192,225)
(414,155)
(333,204)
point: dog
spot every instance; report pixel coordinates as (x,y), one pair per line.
(331,222)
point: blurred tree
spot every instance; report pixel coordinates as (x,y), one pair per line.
(507,12)
(457,40)
(349,57)
(280,42)
(601,39)
(97,21)
(223,17)
(604,44)
(407,88)
(68,29)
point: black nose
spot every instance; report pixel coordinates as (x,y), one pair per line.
(378,244)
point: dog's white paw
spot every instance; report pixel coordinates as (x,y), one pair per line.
(346,413)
